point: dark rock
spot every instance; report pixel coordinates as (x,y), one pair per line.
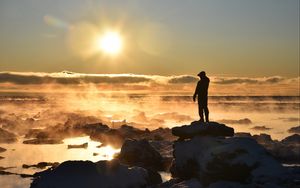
(7,137)
(229,184)
(130,132)
(242,134)
(42,141)
(100,145)
(111,137)
(162,134)
(77,146)
(91,128)
(198,128)
(294,130)
(189,183)
(165,148)
(285,153)
(105,174)
(263,139)
(177,183)
(25,175)
(2,149)
(41,165)
(293,139)
(169,183)
(3,172)
(140,153)
(261,128)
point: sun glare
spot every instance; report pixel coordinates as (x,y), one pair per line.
(110,43)
(110,152)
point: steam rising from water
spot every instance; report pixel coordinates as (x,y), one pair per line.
(20,112)
(146,110)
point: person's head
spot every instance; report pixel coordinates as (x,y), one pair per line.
(202,74)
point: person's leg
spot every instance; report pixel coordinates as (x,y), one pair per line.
(200,111)
(205,108)
(206,111)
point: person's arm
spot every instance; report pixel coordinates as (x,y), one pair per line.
(196,92)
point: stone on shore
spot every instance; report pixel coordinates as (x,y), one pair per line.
(140,153)
(2,149)
(7,137)
(105,174)
(198,128)
(237,159)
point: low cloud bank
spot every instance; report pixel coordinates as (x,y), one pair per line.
(66,77)
(69,78)
(219,85)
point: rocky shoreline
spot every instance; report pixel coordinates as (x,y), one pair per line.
(204,155)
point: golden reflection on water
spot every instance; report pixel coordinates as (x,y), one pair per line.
(18,153)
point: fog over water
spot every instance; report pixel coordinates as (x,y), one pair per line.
(278,113)
(21,111)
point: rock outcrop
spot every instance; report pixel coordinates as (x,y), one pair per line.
(286,150)
(198,128)
(2,149)
(205,155)
(211,158)
(295,130)
(7,137)
(140,153)
(41,165)
(105,174)
(293,139)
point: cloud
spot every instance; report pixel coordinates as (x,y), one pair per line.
(244,121)
(261,128)
(234,81)
(66,77)
(294,130)
(181,83)
(184,79)
(246,80)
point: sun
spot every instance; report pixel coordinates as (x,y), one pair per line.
(110,43)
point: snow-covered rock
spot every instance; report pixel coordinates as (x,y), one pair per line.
(198,128)
(286,151)
(105,174)
(140,153)
(237,159)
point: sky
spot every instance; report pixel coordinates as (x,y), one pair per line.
(257,38)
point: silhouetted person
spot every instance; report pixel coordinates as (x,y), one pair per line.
(202,92)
